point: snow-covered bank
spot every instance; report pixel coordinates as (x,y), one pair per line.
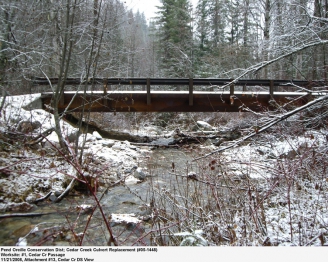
(269,190)
(28,174)
(256,156)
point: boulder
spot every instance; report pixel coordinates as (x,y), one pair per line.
(88,138)
(108,142)
(139,174)
(117,146)
(202,125)
(97,135)
(131,180)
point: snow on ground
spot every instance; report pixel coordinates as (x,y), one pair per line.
(31,174)
(163,141)
(14,113)
(294,215)
(253,158)
(127,218)
(28,175)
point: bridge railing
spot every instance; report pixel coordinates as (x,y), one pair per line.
(176,81)
(191,84)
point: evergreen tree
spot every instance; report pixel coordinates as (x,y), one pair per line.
(203,40)
(203,24)
(175,38)
(218,15)
(211,36)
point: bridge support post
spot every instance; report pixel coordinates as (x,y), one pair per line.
(232,93)
(148,92)
(105,93)
(191,90)
(271,88)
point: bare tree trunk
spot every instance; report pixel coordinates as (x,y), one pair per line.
(266,34)
(216,23)
(317,13)
(92,61)
(246,22)
(4,95)
(324,48)
(66,52)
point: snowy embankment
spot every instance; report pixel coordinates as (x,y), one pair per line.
(27,174)
(263,155)
(285,176)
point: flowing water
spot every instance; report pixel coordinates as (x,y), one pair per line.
(65,222)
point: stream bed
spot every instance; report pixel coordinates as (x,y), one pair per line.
(122,205)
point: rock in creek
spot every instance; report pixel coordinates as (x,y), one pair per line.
(139,174)
(108,142)
(131,180)
(53,198)
(97,135)
(203,126)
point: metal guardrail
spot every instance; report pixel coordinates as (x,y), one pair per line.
(177,81)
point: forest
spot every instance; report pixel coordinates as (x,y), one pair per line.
(224,39)
(163,179)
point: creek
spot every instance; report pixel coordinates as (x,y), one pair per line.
(65,223)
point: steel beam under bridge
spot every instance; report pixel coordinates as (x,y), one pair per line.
(173,101)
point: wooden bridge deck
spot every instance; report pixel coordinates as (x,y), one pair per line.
(230,100)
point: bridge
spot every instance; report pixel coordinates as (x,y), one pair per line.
(200,94)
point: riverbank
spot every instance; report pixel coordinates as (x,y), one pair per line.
(270,190)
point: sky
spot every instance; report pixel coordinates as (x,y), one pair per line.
(148,7)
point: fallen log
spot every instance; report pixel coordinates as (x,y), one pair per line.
(110,134)
(25,215)
(40,137)
(193,138)
(66,191)
(42,198)
(187,140)
(154,145)
(11,215)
